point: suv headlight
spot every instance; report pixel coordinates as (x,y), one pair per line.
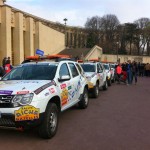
(22,99)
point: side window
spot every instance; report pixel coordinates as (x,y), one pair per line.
(64,70)
(73,70)
(101,67)
(98,68)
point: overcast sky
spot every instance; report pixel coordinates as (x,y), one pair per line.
(77,11)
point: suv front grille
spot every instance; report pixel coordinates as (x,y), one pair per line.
(7,123)
(6,101)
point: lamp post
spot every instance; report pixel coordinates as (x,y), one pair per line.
(65,20)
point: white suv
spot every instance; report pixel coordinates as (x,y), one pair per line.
(95,76)
(34,93)
(109,73)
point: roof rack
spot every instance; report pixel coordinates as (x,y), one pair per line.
(56,58)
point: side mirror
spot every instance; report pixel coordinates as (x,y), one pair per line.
(99,71)
(64,78)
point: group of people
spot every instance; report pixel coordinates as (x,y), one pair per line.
(127,72)
(6,66)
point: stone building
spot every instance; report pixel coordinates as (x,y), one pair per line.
(22,33)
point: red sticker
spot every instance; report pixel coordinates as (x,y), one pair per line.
(63,86)
(52,90)
(23,92)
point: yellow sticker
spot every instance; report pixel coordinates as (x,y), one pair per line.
(27,113)
(64,97)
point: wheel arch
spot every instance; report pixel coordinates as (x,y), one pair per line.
(57,101)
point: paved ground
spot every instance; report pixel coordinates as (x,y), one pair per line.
(118,120)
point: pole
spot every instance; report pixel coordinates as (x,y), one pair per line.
(65,20)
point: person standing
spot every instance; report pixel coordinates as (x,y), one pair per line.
(129,72)
(119,71)
(134,72)
(8,67)
(4,62)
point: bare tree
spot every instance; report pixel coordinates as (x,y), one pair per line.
(108,26)
(143,24)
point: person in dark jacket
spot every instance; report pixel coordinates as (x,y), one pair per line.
(134,71)
(129,72)
(1,72)
(4,62)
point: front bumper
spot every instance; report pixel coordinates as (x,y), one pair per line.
(8,120)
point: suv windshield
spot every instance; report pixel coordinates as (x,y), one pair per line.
(32,72)
(88,67)
(106,66)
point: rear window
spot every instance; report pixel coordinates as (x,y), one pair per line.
(88,67)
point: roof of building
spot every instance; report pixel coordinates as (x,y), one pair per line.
(76,52)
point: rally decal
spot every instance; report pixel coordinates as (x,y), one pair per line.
(23,92)
(64,97)
(27,113)
(6,92)
(39,90)
(52,90)
(63,86)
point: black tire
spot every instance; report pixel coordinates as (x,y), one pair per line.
(109,82)
(95,93)
(48,128)
(105,86)
(84,100)
(113,80)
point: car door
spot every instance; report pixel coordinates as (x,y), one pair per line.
(76,84)
(64,85)
(99,71)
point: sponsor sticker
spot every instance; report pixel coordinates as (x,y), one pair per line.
(46,94)
(52,90)
(27,113)
(6,92)
(64,97)
(23,92)
(69,87)
(63,86)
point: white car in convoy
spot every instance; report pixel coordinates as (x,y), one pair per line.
(109,73)
(95,76)
(34,93)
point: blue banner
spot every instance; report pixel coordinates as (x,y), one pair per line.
(39,52)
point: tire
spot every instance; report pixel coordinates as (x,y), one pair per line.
(95,91)
(109,82)
(84,100)
(48,128)
(105,86)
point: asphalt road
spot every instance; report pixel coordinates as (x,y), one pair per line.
(118,120)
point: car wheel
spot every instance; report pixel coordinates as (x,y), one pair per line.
(84,100)
(109,82)
(96,91)
(49,125)
(105,86)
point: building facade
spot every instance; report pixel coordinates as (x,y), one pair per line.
(21,34)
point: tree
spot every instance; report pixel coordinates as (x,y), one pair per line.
(143,25)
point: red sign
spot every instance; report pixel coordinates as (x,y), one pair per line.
(63,86)
(23,92)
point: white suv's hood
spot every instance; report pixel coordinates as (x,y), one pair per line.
(89,74)
(13,87)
